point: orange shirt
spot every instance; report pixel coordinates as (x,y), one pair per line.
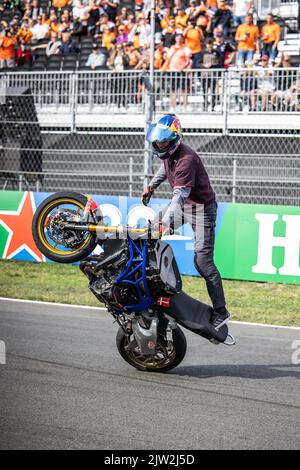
(212,3)
(249,43)
(193,39)
(107,38)
(60,3)
(164,23)
(181,21)
(24,35)
(158,59)
(55,27)
(272,31)
(7,49)
(178,57)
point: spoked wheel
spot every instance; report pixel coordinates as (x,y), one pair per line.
(64,246)
(167,355)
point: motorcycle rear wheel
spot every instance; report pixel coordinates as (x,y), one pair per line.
(39,231)
(163,361)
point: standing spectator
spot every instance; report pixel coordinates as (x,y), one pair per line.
(240,8)
(226,50)
(167,15)
(222,17)
(94,16)
(270,36)
(210,59)
(7,50)
(81,13)
(181,19)
(194,37)
(179,60)
(110,8)
(133,55)
(169,33)
(67,45)
(53,46)
(247,38)
(97,58)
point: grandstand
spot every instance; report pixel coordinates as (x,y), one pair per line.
(91,123)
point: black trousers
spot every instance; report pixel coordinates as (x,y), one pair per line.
(204,256)
(202,218)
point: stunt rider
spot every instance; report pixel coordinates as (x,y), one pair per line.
(193,201)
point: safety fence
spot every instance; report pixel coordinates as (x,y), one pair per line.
(248,90)
(250,168)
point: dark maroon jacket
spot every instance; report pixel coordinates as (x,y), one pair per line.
(185,168)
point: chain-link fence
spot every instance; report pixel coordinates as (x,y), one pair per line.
(85,131)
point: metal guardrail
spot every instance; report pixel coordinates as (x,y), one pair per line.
(221,92)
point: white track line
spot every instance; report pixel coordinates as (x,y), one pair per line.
(102,308)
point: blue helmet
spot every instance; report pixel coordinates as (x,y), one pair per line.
(166,129)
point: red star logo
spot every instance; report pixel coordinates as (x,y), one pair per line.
(18,225)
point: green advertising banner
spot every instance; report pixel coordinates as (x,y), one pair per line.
(253,242)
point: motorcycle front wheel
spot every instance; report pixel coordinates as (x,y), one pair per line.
(166,358)
(51,241)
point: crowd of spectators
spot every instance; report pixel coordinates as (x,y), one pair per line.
(188,33)
(113,35)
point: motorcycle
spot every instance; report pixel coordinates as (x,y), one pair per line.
(136,277)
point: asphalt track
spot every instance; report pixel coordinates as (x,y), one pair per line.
(66,387)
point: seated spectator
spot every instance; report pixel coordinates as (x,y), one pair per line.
(270,36)
(194,37)
(118,60)
(40,31)
(122,37)
(24,33)
(35,10)
(23,54)
(122,17)
(97,58)
(8,45)
(222,17)
(53,46)
(67,45)
(15,23)
(142,29)
(129,23)
(247,38)
(108,36)
(103,23)
(240,8)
